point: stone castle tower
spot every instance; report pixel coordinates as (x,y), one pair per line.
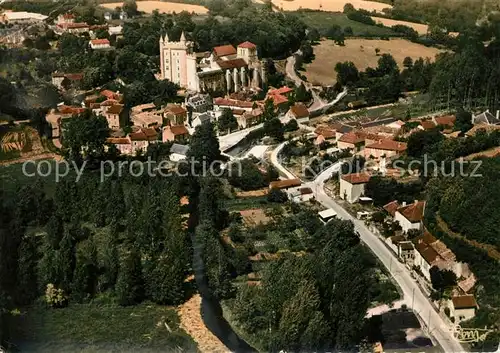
(178,62)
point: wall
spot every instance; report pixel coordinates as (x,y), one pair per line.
(406,224)
(352,192)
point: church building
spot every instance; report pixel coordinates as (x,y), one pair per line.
(226,68)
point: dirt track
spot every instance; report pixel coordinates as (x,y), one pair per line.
(192,323)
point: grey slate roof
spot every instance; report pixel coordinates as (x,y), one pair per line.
(179,149)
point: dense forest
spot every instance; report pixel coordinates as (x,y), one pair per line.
(460,14)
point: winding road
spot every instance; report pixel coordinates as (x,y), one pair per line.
(411,291)
(318,104)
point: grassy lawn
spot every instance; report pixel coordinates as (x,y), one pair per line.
(246,203)
(323,20)
(94,328)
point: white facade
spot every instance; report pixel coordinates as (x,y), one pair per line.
(405,223)
(351,192)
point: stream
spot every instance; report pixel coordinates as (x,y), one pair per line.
(211,310)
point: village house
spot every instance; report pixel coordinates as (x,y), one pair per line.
(73,28)
(199,103)
(113,115)
(115,30)
(323,134)
(142,138)
(408,216)
(352,186)
(222,103)
(178,152)
(463,307)
(199,119)
(97,44)
(351,141)
(248,119)
(385,148)
(21,17)
(298,112)
(112,95)
(299,195)
(175,114)
(66,80)
(65,18)
(147,119)
(176,133)
(486,118)
(122,144)
(402,247)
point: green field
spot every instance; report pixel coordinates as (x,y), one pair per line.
(101,328)
(323,20)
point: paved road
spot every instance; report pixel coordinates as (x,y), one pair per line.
(318,103)
(412,293)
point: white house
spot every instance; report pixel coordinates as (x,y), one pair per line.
(100,44)
(463,308)
(352,186)
(408,216)
(115,30)
(178,152)
(302,194)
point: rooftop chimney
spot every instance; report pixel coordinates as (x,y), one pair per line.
(404,203)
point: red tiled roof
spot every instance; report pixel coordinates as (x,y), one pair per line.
(352,137)
(392,207)
(447,120)
(72,25)
(74,77)
(224,50)
(414,212)
(138,136)
(178,130)
(427,124)
(429,254)
(109,102)
(99,41)
(118,140)
(356,178)
(277,99)
(247,44)
(115,109)
(108,94)
(282,90)
(233,103)
(464,302)
(325,131)
(238,111)
(65,109)
(150,133)
(231,64)
(284,184)
(299,110)
(175,109)
(68,16)
(388,145)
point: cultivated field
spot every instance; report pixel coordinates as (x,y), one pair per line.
(362,53)
(163,7)
(329,5)
(419,27)
(323,20)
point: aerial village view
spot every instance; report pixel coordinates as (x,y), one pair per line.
(249,176)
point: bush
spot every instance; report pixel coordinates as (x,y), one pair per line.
(277,196)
